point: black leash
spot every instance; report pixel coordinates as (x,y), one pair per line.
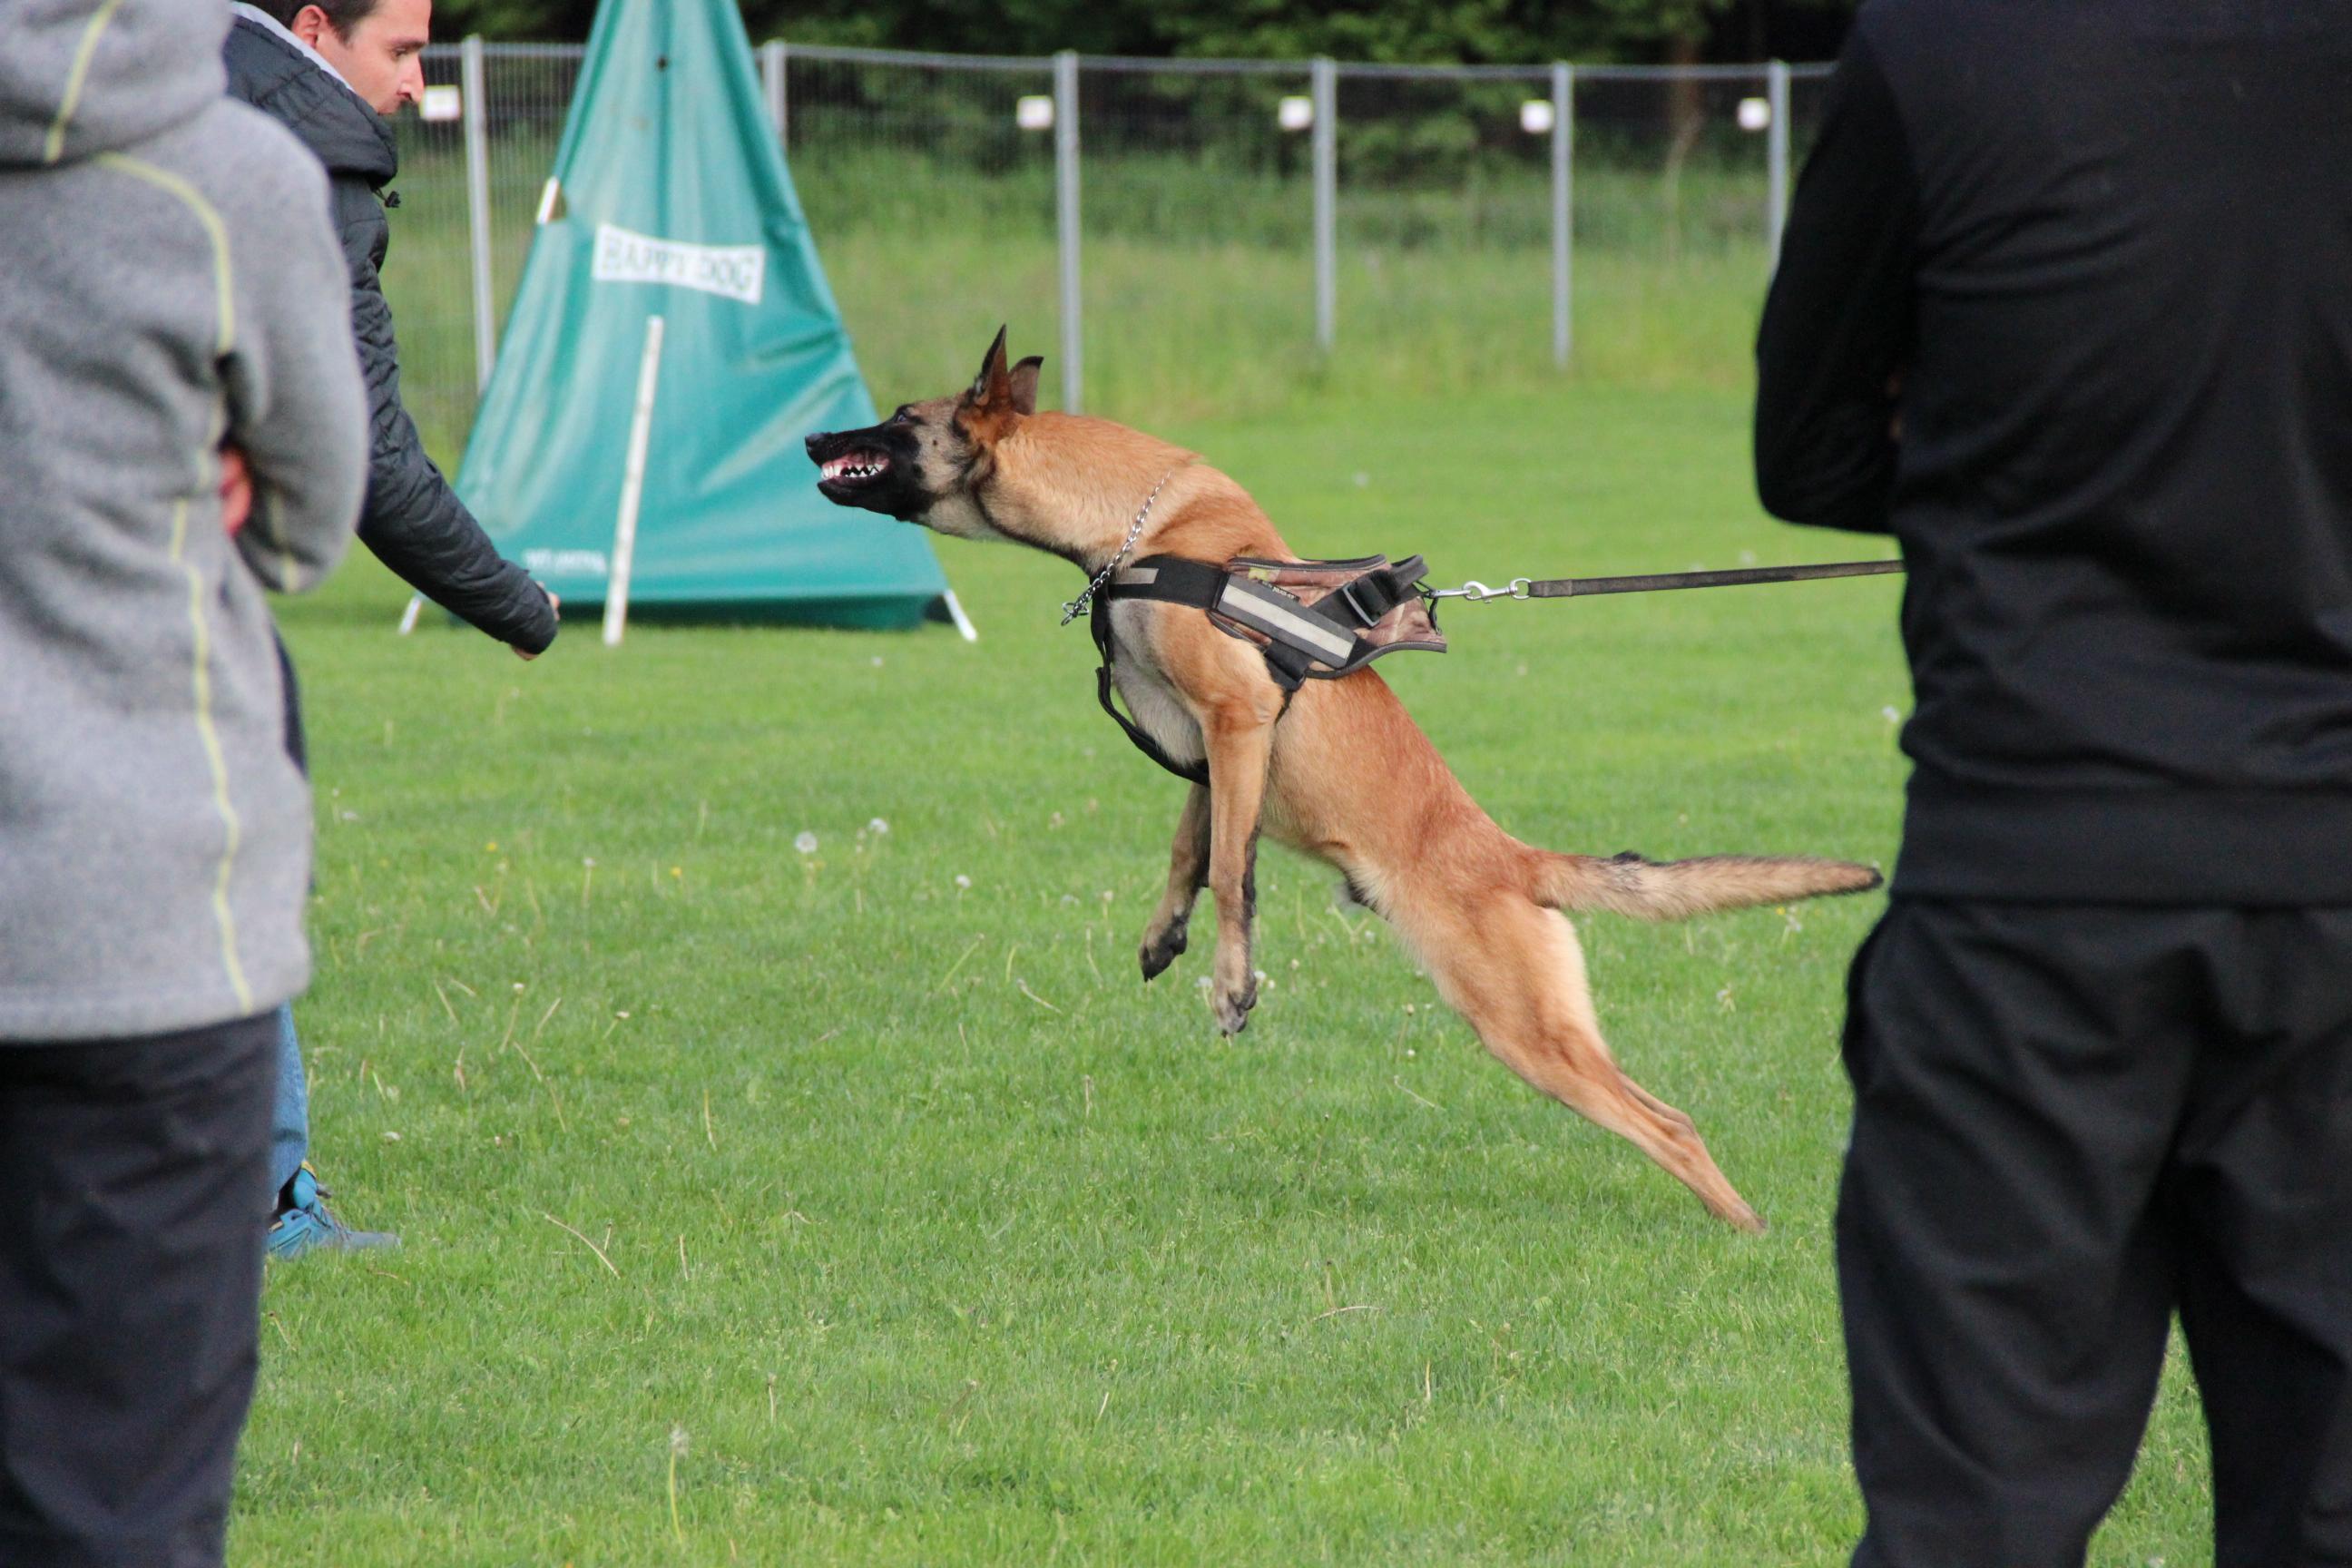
(1213,587)
(1657,581)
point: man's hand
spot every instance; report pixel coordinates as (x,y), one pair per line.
(555,603)
(235,490)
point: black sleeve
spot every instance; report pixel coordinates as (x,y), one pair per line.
(1838,322)
(412,518)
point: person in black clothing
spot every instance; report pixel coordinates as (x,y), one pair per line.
(413,520)
(2065,305)
(330,73)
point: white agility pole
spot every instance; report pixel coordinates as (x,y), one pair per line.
(633,487)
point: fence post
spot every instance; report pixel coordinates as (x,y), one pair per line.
(476,109)
(1776,155)
(772,78)
(1065,220)
(1563,211)
(1326,87)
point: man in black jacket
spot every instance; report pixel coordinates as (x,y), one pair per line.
(291,61)
(2066,307)
(332,72)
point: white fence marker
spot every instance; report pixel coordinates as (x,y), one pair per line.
(1325,87)
(477,127)
(1563,213)
(1776,159)
(1065,220)
(772,78)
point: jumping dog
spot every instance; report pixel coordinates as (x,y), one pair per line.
(1483,910)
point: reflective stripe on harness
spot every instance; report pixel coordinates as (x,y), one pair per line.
(1280,615)
(1311,620)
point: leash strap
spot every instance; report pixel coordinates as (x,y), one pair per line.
(1099,622)
(1656,581)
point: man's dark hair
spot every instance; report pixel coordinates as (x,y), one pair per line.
(342,16)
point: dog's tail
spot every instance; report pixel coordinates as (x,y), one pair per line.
(1677,890)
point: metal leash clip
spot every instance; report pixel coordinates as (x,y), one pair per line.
(1477,592)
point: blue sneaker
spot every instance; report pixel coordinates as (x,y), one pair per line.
(304,1224)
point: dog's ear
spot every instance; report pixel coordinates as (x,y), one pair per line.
(990,384)
(1024,385)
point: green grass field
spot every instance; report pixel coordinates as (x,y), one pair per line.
(860,1206)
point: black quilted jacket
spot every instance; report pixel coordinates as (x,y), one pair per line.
(412,518)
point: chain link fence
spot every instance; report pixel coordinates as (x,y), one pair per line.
(1177,236)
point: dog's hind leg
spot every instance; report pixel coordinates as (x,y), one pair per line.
(1516,972)
(1240,741)
(1187,868)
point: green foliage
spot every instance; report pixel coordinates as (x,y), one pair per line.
(1504,31)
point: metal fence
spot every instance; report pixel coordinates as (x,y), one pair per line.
(1181,225)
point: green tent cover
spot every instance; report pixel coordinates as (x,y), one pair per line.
(670,197)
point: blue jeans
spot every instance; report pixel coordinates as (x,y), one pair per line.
(289,1118)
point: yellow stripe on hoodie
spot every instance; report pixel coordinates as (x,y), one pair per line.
(200,629)
(232,829)
(76,80)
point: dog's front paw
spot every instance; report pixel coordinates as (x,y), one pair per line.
(1233,1004)
(1162,948)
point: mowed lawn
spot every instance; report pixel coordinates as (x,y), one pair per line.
(861,1206)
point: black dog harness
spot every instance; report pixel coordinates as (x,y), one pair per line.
(1313,620)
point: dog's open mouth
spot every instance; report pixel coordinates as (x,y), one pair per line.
(854,468)
(877,470)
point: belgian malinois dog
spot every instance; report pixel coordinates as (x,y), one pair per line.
(1343,775)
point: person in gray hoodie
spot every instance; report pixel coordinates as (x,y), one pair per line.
(170,293)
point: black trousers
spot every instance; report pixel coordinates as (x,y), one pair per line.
(2071,1122)
(133,1195)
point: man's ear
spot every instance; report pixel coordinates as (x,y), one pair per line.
(989,384)
(1024,385)
(308,23)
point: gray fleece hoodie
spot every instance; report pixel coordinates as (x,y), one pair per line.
(167,283)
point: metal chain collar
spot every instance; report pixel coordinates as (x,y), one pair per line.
(1076,607)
